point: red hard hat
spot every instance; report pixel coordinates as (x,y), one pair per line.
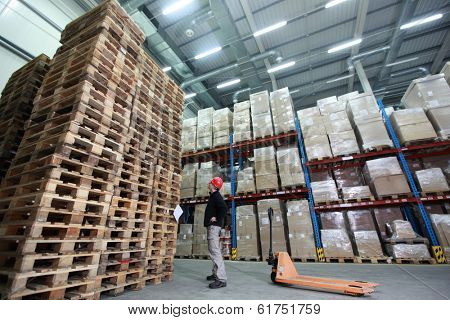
(217,182)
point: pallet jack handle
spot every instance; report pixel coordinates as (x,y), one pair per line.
(270,259)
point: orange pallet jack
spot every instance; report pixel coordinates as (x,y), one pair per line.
(284,272)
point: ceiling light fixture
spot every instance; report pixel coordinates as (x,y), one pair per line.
(345,45)
(333,3)
(176,6)
(281,66)
(228,83)
(339,79)
(190,95)
(270,28)
(166,69)
(207,53)
(421,21)
(401,61)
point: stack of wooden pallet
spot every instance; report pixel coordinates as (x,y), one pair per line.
(79,201)
(16,104)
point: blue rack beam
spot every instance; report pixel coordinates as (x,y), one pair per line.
(233,204)
(437,250)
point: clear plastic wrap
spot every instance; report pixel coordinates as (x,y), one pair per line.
(200,242)
(222,124)
(245,181)
(337,122)
(188,180)
(282,111)
(407,116)
(415,132)
(278,230)
(298,216)
(385,215)
(189,135)
(348,177)
(400,229)
(382,167)
(207,171)
(441,226)
(358,192)
(332,220)
(289,167)
(336,243)
(331,107)
(205,122)
(259,103)
(390,185)
(360,220)
(367,244)
(348,96)
(308,113)
(372,135)
(427,93)
(318,147)
(185,240)
(324,101)
(324,191)
(363,108)
(312,126)
(432,180)
(246,231)
(440,119)
(262,125)
(226,189)
(442,162)
(265,168)
(343,143)
(408,251)
(242,126)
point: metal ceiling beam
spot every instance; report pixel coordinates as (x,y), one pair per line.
(41,15)
(442,54)
(359,28)
(15,49)
(251,21)
(406,13)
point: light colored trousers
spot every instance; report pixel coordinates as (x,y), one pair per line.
(215,253)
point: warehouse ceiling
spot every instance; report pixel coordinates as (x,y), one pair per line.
(311,29)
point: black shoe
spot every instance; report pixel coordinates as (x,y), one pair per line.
(217,284)
(212,277)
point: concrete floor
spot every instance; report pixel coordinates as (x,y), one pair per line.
(250,280)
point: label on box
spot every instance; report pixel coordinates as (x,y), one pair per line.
(247,237)
(265,220)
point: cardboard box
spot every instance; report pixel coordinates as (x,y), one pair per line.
(188,180)
(360,220)
(362,109)
(343,143)
(332,220)
(259,103)
(367,244)
(385,215)
(312,126)
(282,109)
(441,226)
(262,125)
(415,132)
(446,72)
(324,191)
(337,122)
(278,230)
(222,124)
(266,175)
(325,101)
(242,125)
(184,240)
(289,166)
(358,192)
(345,97)
(247,231)
(390,185)
(432,180)
(189,135)
(400,229)
(320,176)
(405,117)
(300,232)
(440,119)
(204,128)
(372,135)
(348,177)
(245,181)
(205,173)
(381,167)
(336,244)
(427,93)
(317,147)
(408,251)
(331,107)
(442,162)
(308,113)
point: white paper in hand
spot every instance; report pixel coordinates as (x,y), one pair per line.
(177,212)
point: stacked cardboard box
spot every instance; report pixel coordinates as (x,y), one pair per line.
(348,177)
(442,162)
(308,113)
(226,189)
(189,135)
(188,181)
(385,177)
(312,124)
(200,240)
(367,122)
(358,192)
(428,93)
(364,234)
(222,123)
(432,180)
(282,111)
(16,104)
(205,173)
(446,72)
(261,116)
(441,226)
(265,168)
(318,147)
(205,128)
(335,240)
(386,215)
(440,119)
(300,232)
(184,240)
(345,97)
(247,232)
(242,124)
(400,230)
(412,125)
(245,181)
(324,191)
(278,226)
(322,102)
(290,167)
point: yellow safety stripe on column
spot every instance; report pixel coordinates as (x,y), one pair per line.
(320,254)
(438,254)
(233,253)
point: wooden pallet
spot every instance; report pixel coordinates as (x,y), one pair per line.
(249,258)
(200,256)
(394,196)
(341,260)
(357,200)
(374,260)
(418,240)
(377,148)
(267,190)
(183,256)
(414,261)
(322,203)
(434,194)
(420,142)
(304,260)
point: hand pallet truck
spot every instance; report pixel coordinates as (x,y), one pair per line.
(284,272)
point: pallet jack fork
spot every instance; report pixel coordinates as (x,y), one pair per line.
(284,272)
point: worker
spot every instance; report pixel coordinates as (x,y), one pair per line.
(215,212)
